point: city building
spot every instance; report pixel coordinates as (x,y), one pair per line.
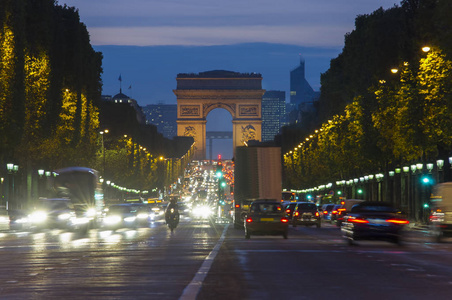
(122,98)
(163,116)
(301,92)
(273,114)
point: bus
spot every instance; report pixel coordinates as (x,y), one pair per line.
(82,186)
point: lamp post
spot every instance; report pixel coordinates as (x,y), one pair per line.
(12,170)
(103,150)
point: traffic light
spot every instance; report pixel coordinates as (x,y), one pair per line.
(426,180)
(219,170)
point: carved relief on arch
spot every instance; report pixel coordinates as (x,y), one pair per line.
(208,107)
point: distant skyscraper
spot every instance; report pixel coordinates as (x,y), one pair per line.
(273,114)
(301,92)
(163,116)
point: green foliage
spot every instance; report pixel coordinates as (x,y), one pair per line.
(50,85)
(377,119)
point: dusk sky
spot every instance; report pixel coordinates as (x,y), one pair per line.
(149,42)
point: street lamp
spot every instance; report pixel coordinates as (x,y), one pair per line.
(426,48)
(12,170)
(103,150)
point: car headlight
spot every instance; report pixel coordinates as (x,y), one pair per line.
(91,212)
(111,220)
(38,217)
(202,212)
(142,216)
(64,216)
(129,219)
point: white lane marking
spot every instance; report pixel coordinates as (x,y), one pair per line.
(192,289)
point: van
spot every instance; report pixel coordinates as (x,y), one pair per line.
(441,211)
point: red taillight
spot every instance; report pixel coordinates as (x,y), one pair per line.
(358,221)
(317,214)
(334,212)
(325,212)
(288,211)
(249,220)
(398,221)
(237,206)
(284,220)
(296,214)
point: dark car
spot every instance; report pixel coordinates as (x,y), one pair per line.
(327,211)
(306,213)
(121,216)
(51,213)
(373,221)
(145,214)
(335,213)
(266,217)
(289,208)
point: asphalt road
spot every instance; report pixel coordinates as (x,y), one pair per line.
(205,261)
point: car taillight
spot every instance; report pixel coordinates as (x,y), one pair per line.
(249,220)
(398,221)
(317,214)
(296,214)
(334,212)
(357,220)
(284,220)
(288,211)
(237,206)
(325,212)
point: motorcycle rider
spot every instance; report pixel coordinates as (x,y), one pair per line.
(172,213)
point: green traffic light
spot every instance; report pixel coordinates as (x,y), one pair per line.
(223,184)
(426,180)
(219,174)
(360,191)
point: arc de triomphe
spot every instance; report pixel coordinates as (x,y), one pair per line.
(239,93)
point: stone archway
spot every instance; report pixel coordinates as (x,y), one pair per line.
(239,93)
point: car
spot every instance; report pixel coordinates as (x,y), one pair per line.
(121,216)
(306,213)
(145,214)
(335,213)
(342,211)
(373,221)
(327,209)
(266,217)
(52,213)
(289,208)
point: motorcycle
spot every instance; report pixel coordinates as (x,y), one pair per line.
(172,219)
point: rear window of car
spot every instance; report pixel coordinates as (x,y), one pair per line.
(266,207)
(373,208)
(307,206)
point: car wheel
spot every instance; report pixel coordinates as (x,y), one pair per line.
(247,235)
(285,235)
(318,225)
(350,242)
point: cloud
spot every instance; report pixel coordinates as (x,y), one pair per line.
(307,36)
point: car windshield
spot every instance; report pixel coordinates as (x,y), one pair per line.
(266,207)
(54,204)
(121,209)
